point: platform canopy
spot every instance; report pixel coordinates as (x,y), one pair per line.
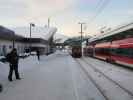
(118,30)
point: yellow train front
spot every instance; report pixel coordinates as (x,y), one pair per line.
(76,51)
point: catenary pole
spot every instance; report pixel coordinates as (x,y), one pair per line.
(81,32)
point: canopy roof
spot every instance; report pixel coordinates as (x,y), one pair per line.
(116,31)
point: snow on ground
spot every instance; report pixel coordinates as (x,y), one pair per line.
(4,67)
(119,74)
(84,88)
(54,77)
(59,77)
(24,65)
(110,89)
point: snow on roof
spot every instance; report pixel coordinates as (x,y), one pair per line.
(60,38)
(50,32)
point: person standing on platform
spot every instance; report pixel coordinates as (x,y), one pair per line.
(13,60)
(38,54)
(1,88)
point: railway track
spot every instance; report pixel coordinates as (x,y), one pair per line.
(114,65)
(118,84)
(101,73)
(93,81)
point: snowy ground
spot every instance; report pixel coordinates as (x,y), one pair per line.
(60,77)
(114,82)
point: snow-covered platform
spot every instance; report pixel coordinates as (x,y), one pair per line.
(60,77)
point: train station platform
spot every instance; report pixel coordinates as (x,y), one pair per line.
(60,77)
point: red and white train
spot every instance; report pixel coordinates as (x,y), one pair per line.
(114,46)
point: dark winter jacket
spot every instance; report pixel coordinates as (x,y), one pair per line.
(12,58)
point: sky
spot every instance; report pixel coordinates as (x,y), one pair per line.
(66,14)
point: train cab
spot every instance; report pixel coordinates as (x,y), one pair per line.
(76,51)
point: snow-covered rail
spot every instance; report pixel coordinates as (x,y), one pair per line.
(93,81)
(129,92)
(100,79)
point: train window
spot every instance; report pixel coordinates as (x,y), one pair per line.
(129,36)
(102,50)
(128,52)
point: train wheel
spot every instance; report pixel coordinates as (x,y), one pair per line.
(108,60)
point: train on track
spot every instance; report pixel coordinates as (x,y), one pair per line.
(76,51)
(115,46)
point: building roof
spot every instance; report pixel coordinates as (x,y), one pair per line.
(6,33)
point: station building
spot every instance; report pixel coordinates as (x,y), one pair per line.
(8,40)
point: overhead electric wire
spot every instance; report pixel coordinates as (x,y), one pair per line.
(98,4)
(99,11)
(95,9)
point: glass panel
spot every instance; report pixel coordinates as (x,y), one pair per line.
(128,52)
